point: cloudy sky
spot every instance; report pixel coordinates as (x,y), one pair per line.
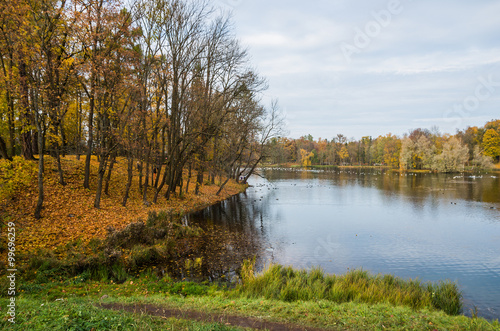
(367,68)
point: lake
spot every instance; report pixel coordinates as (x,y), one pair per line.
(427,226)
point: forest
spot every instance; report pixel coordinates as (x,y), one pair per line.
(471,148)
(164,85)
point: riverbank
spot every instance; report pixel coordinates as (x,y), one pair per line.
(150,302)
(68,214)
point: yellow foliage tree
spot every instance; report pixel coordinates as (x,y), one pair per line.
(343,153)
(305,158)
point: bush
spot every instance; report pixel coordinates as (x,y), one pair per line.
(15,175)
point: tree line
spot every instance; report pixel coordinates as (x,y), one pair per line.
(474,147)
(163,84)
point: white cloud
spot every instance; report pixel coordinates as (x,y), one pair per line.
(426,60)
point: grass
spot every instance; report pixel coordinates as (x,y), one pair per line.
(82,314)
(289,285)
(73,304)
(356,300)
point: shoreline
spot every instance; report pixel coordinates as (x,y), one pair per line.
(495,169)
(69,217)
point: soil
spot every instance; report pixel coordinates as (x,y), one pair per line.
(239,321)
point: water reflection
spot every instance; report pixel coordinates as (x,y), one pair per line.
(430,226)
(230,235)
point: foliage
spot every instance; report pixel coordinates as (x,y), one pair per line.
(419,150)
(15,175)
(452,158)
(305,158)
(343,153)
(73,228)
(491,143)
(480,160)
(149,80)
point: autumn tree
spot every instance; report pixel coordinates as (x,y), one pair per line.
(104,30)
(343,153)
(491,144)
(479,160)
(452,158)
(271,124)
(16,49)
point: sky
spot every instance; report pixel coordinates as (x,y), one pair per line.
(369,68)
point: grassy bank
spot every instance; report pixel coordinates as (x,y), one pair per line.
(289,285)
(81,303)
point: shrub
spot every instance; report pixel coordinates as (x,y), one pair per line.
(15,175)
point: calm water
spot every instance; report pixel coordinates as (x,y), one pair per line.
(425,226)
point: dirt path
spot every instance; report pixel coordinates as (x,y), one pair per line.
(246,322)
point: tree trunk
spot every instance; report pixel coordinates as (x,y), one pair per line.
(108,177)
(3,150)
(162,183)
(35,143)
(139,167)
(86,180)
(171,184)
(222,186)
(64,148)
(39,205)
(199,182)
(189,177)
(157,172)
(59,167)
(180,184)
(251,171)
(130,173)
(201,170)
(79,121)
(145,187)
(100,179)
(25,117)
(10,120)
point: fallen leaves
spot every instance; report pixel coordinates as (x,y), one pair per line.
(69,216)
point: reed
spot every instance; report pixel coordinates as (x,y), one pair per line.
(288,284)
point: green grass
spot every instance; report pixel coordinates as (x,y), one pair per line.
(321,313)
(355,301)
(287,284)
(34,313)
